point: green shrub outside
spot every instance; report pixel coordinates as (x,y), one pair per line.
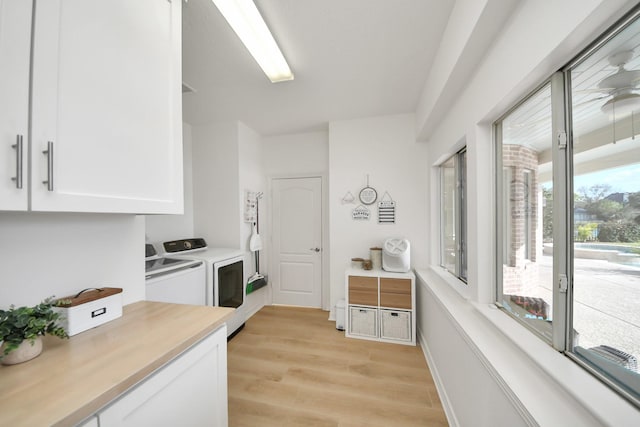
(624,232)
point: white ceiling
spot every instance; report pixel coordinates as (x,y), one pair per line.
(351,59)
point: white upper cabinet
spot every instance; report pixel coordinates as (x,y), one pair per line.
(106,109)
(15,40)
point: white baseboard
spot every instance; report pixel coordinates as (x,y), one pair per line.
(442,393)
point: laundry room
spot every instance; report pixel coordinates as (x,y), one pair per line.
(382,226)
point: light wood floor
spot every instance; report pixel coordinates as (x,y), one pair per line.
(291,367)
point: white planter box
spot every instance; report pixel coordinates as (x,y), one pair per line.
(90,308)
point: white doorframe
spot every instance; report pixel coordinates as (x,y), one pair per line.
(325,232)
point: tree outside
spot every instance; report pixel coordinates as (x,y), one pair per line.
(607,216)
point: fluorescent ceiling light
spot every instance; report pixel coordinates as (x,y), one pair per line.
(246,21)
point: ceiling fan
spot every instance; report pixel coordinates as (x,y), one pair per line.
(620,88)
(620,92)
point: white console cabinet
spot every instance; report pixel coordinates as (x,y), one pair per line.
(191,390)
(380,306)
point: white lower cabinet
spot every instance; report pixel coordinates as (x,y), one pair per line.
(90,422)
(189,391)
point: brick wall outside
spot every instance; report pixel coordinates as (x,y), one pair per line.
(521,273)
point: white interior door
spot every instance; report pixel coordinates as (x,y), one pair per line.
(297,241)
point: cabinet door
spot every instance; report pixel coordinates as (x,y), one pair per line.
(395,293)
(106,97)
(15,45)
(190,391)
(363,290)
(91,422)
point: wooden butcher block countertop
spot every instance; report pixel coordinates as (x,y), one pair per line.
(72,379)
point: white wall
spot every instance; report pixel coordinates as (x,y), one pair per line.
(216,200)
(385,148)
(251,178)
(163,228)
(539,38)
(45,254)
(470,31)
(469,392)
(227,161)
(296,154)
(300,155)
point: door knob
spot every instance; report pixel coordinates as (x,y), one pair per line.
(315,249)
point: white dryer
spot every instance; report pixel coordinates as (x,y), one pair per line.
(225,282)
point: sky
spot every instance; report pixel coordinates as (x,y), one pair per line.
(624,179)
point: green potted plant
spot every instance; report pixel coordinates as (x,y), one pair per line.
(21,330)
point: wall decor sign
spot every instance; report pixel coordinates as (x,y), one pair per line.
(361,213)
(386,210)
(368,195)
(348,198)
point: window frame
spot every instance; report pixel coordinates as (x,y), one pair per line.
(563,207)
(503,218)
(459,214)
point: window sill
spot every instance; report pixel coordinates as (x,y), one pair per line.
(541,381)
(458,285)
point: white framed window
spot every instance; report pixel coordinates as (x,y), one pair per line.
(522,135)
(453,215)
(568,241)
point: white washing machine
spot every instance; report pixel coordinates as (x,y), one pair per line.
(175,280)
(224,268)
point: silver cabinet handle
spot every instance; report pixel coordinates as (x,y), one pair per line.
(49,153)
(315,249)
(18,146)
